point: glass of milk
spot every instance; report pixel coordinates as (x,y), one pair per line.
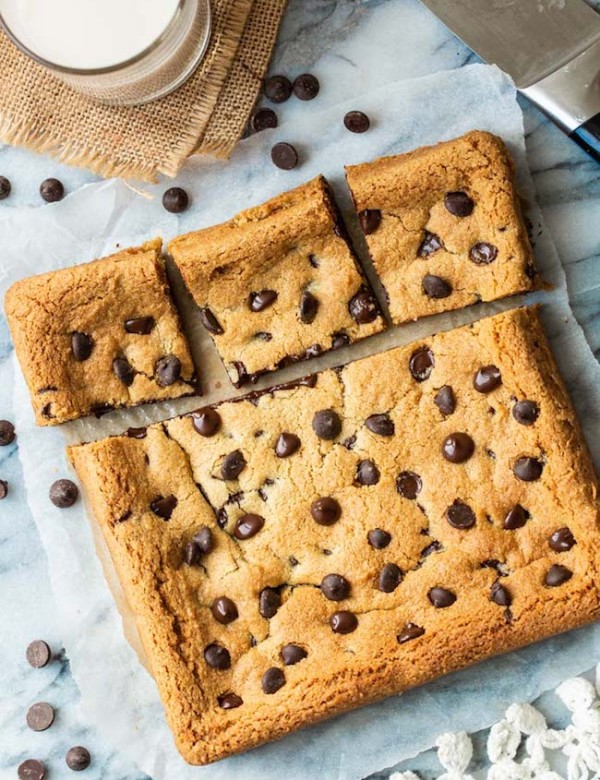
(122,52)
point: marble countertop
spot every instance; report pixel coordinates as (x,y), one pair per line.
(349,45)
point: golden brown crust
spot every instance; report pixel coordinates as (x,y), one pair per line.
(292,552)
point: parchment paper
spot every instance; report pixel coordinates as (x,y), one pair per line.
(118,695)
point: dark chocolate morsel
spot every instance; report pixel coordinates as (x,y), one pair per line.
(381,424)
(435,287)
(562,540)
(378,538)
(210,322)
(356,122)
(263,119)
(421,364)
(363,307)
(38,654)
(500,595)
(31,769)
(203,539)
(3,489)
(327,424)
(325,511)
(526,412)
(306,86)
(367,473)
(528,469)
(445,400)
(259,301)
(409,484)
(487,378)
(141,326)
(557,575)
(309,306)
(277,88)
(369,219)
(284,156)
(343,622)
(335,587)
(441,597)
(410,631)
(459,204)
(248,526)
(78,758)
(52,190)
(233,464)
(458,447)
(292,654)
(287,444)
(167,370)
(224,610)
(81,345)
(164,506)
(123,371)
(7,433)
(269,602)
(460,515)
(516,517)
(430,244)
(389,578)
(483,253)
(229,701)
(5,187)
(136,433)
(63,493)
(40,716)
(206,421)
(272,680)
(175,200)
(339,340)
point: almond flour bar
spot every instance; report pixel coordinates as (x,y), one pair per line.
(303,551)
(278,283)
(443,225)
(99,335)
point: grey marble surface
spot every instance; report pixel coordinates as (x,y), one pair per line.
(349,44)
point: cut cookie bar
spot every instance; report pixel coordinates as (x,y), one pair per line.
(278,283)
(304,551)
(443,225)
(100,335)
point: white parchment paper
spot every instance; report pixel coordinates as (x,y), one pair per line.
(118,695)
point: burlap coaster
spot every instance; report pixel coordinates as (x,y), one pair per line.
(206,115)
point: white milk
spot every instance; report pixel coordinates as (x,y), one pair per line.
(87,34)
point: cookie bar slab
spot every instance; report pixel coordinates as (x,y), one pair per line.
(301,552)
(278,283)
(443,225)
(99,335)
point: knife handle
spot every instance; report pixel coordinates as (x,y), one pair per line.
(587,136)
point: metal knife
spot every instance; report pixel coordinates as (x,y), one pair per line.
(550,48)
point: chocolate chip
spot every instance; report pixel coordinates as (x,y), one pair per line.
(164,506)
(63,493)
(284,156)
(38,654)
(210,322)
(167,370)
(292,654)
(483,253)
(410,631)
(441,597)
(335,587)
(259,301)
(381,424)
(378,538)
(204,540)
(293,560)
(526,412)
(458,447)
(367,473)
(40,716)
(175,200)
(81,346)
(272,680)
(278,89)
(52,190)
(123,371)
(206,421)
(430,244)
(269,602)
(263,119)
(339,340)
(445,400)
(287,444)
(369,219)
(141,326)
(325,511)
(3,489)
(409,484)
(421,364)
(459,204)
(528,469)
(306,86)
(191,554)
(363,307)
(229,701)
(562,540)
(435,287)
(136,433)
(309,306)
(233,464)
(357,122)
(500,595)
(557,575)
(32,769)
(434,546)
(224,610)
(78,758)
(327,424)
(5,187)
(487,378)
(515,518)
(248,526)
(7,433)
(217,656)
(389,578)
(460,515)
(343,622)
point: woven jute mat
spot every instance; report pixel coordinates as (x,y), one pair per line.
(206,115)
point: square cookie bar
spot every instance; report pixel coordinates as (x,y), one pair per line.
(278,283)
(300,552)
(99,335)
(443,225)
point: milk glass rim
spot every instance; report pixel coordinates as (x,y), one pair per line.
(96,71)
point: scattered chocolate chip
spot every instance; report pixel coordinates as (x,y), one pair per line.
(515,518)
(325,511)
(32,769)
(410,631)
(306,86)
(140,326)
(269,602)
(363,307)
(562,540)
(263,119)
(445,400)
(458,447)
(441,597)
(206,421)
(38,654)
(229,701)
(327,424)
(430,244)
(409,484)
(287,444)
(357,122)
(248,526)
(460,515)
(378,538)
(309,306)
(343,622)
(40,716)
(175,200)
(259,301)
(293,561)
(528,469)
(78,758)
(81,346)
(210,322)
(63,493)
(369,219)
(99,410)
(557,575)
(262,335)
(434,546)
(224,610)
(136,433)
(367,473)
(204,540)
(52,190)
(123,371)
(5,187)
(526,412)
(500,595)
(217,656)
(459,204)
(381,424)
(7,433)
(167,370)
(436,287)
(3,489)
(277,89)
(421,364)
(482,253)
(389,578)
(284,156)
(339,340)
(272,680)
(164,506)
(487,378)
(191,554)
(292,654)
(335,587)
(233,464)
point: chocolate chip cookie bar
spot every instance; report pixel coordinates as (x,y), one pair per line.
(278,283)
(295,553)
(443,225)
(99,335)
